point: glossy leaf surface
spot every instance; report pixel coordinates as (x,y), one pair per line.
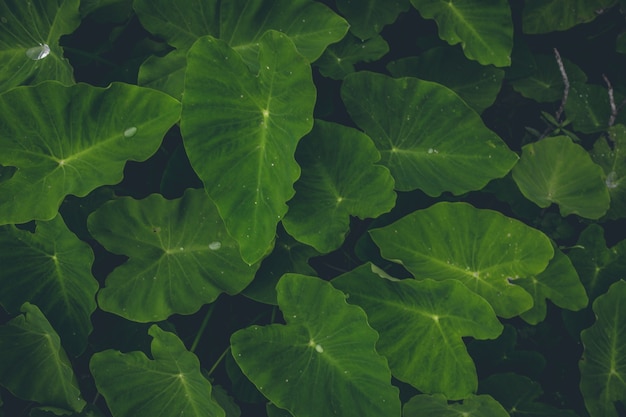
(427,136)
(323,362)
(484,249)
(47,132)
(169,384)
(368,17)
(180,256)
(241,130)
(421,328)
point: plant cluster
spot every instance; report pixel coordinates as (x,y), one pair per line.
(312,208)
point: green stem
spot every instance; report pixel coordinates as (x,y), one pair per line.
(205,322)
(218,361)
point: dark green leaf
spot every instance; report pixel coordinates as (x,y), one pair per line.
(588,108)
(368,17)
(610,156)
(437,406)
(339,59)
(542,16)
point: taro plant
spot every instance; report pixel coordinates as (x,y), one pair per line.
(312,208)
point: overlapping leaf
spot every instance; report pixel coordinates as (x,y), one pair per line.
(427,136)
(542,16)
(169,384)
(438,406)
(339,59)
(484,249)
(610,156)
(180,256)
(241,130)
(71,140)
(323,361)
(368,17)
(421,328)
(603,365)
(52,269)
(339,180)
(29,41)
(483,28)
(556,170)
(33,365)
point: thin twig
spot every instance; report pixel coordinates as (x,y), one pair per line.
(566,85)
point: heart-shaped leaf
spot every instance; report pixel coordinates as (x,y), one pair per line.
(438,406)
(56,277)
(421,328)
(71,140)
(339,180)
(180,256)
(323,362)
(241,129)
(169,384)
(34,366)
(29,41)
(427,136)
(556,170)
(484,249)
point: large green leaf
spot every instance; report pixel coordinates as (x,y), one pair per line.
(339,180)
(52,269)
(241,130)
(169,384)
(484,249)
(560,283)
(33,365)
(180,256)
(438,406)
(603,365)
(483,27)
(368,17)
(611,157)
(323,362)
(478,85)
(70,140)
(542,16)
(428,137)
(165,73)
(556,170)
(29,41)
(421,326)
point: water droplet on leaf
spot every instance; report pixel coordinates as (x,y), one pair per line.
(130,132)
(38,52)
(215,245)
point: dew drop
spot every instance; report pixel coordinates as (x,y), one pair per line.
(611,180)
(215,245)
(130,132)
(319,348)
(38,52)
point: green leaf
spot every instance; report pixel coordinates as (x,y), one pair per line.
(165,73)
(588,108)
(560,283)
(29,41)
(180,256)
(339,179)
(34,366)
(71,140)
(437,406)
(610,156)
(556,170)
(241,130)
(476,84)
(484,249)
(483,28)
(323,361)
(170,384)
(367,18)
(543,16)
(602,367)
(427,136)
(421,326)
(52,269)
(339,59)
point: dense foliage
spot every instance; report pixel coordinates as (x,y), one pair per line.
(312,208)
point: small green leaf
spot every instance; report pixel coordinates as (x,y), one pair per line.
(33,365)
(339,179)
(170,384)
(368,17)
(165,73)
(29,41)
(71,140)
(241,129)
(588,107)
(427,136)
(602,367)
(484,249)
(611,157)
(421,326)
(543,16)
(483,28)
(51,268)
(180,256)
(556,170)
(323,362)
(438,406)
(339,59)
